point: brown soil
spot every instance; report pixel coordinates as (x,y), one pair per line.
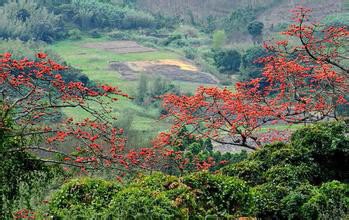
(120,47)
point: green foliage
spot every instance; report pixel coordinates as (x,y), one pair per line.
(148,93)
(337,19)
(183,196)
(330,201)
(138,19)
(194,149)
(83,198)
(327,146)
(190,53)
(219,195)
(138,203)
(27,21)
(227,60)
(285,177)
(292,203)
(251,68)
(255,29)
(118,35)
(218,39)
(89,14)
(248,170)
(142,89)
(238,19)
(22,175)
(75,34)
(251,56)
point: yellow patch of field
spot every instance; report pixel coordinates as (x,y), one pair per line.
(140,66)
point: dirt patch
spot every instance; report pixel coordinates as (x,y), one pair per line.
(170,69)
(120,47)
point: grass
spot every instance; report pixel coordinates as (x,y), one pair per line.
(95,64)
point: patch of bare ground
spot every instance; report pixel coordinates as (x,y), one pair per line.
(120,47)
(177,70)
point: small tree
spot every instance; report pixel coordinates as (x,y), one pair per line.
(142,90)
(255,29)
(227,61)
(218,39)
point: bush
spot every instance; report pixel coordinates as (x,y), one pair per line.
(190,53)
(118,35)
(142,203)
(227,61)
(325,144)
(75,34)
(255,28)
(330,201)
(183,196)
(84,198)
(218,39)
(285,176)
(187,31)
(251,56)
(249,170)
(291,205)
(27,20)
(137,19)
(219,195)
(95,33)
(90,14)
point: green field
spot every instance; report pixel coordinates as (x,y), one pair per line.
(95,64)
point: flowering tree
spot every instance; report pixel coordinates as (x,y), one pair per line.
(33,93)
(305,82)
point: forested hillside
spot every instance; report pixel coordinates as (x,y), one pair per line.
(174,109)
(205,8)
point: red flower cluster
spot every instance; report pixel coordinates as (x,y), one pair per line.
(302,84)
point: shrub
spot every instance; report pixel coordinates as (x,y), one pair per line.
(188,31)
(255,28)
(89,14)
(118,35)
(249,170)
(285,176)
(27,20)
(75,34)
(95,33)
(219,195)
(227,61)
(86,197)
(289,174)
(182,195)
(218,39)
(23,176)
(137,19)
(326,144)
(266,199)
(172,38)
(330,201)
(142,203)
(190,53)
(292,203)
(251,56)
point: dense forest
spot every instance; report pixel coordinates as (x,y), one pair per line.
(174,109)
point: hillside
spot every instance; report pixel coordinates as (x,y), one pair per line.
(273,10)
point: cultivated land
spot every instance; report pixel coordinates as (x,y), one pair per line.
(99,59)
(120,63)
